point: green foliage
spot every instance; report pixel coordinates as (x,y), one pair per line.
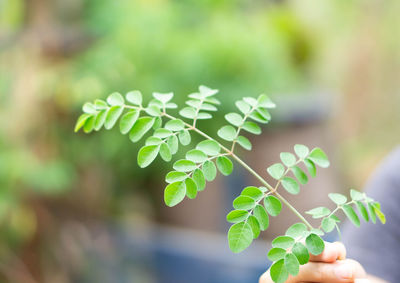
(255,205)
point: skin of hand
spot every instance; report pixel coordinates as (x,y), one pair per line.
(329,267)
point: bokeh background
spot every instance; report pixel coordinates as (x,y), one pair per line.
(76,208)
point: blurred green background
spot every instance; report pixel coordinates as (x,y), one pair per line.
(55,55)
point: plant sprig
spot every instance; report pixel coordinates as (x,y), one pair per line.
(255,205)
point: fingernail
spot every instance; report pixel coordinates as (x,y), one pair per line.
(344,272)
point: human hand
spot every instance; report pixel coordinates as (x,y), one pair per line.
(331,266)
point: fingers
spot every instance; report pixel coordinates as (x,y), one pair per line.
(339,272)
(331,253)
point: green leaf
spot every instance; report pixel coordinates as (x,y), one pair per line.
(206,91)
(89,124)
(163,97)
(262,217)
(174,193)
(175,125)
(328,224)
(173,144)
(81,121)
(184,137)
(302,151)
(350,213)
(153,110)
(264,101)
(379,213)
(253,192)
(319,157)
(227,133)
(296,230)
(275,254)
(203,115)
(283,242)
(255,226)
(175,176)
(157,123)
(100,104)
(196,156)
(310,167)
(209,147)
(140,128)
(288,159)
(244,142)
(240,236)
(89,108)
(273,205)
(127,121)
(153,141)
(191,188)
(188,112)
(278,271)
(199,179)
(356,195)
(256,116)
(250,100)
(209,170)
(252,127)
(184,165)
(236,216)
(335,218)
(339,199)
(115,99)
(300,175)
(315,244)
(264,113)
(372,213)
(162,133)
(292,264)
(235,119)
(244,202)
(147,154)
(243,106)
(165,152)
(276,171)
(100,120)
(224,165)
(134,97)
(112,116)
(290,185)
(301,252)
(319,212)
(208,107)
